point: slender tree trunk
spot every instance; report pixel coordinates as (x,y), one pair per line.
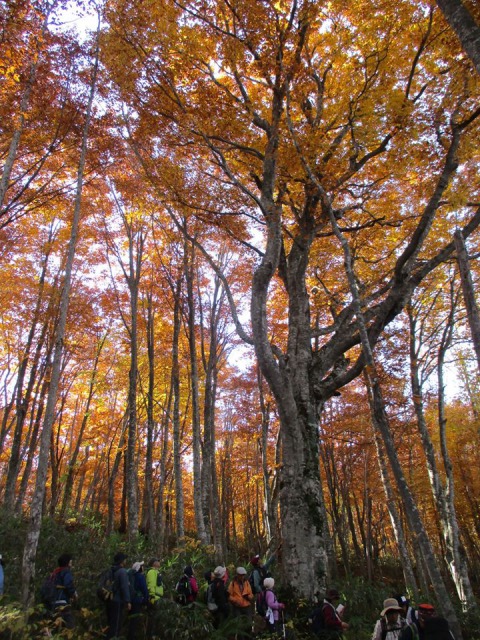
(22,400)
(148,519)
(113,476)
(36,509)
(473,314)
(72,463)
(189,262)
(455,556)
(177,445)
(397,526)
(381,423)
(446,510)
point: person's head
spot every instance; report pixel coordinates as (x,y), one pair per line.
(269,583)
(119,558)
(65,560)
(391,610)
(219,572)
(255,561)
(332,595)
(425,611)
(403,602)
(138,566)
(241,574)
(155,563)
(188,571)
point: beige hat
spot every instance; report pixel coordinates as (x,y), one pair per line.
(136,566)
(269,583)
(241,571)
(390,604)
(219,572)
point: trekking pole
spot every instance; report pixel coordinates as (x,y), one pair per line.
(284,633)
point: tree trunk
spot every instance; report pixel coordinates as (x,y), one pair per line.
(149,522)
(198,503)
(22,400)
(455,555)
(473,314)
(381,423)
(397,526)
(463,23)
(72,463)
(36,508)
(177,444)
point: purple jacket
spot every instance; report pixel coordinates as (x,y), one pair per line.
(271,601)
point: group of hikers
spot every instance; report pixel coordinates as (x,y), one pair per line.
(139,589)
(250,598)
(397,621)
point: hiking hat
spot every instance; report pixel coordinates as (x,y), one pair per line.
(255,559)
(426,609)
(241,571)
(119,557)
(269,583)
(136,566)
(332,594)
(390,604)
(219,572)
(402,600)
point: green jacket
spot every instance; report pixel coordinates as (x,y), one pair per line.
(154,584)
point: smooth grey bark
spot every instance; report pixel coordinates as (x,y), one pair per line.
(36,508)
(397,526)
(455,556)
(468,290)
(211,353)
(149,522)
(269,517)
(177,448)
(198,503)
(463,23)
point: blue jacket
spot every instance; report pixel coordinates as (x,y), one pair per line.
(140,590)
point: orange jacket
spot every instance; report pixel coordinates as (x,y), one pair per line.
(240,593)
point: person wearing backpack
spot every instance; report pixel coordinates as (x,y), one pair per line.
(241,598)
(390,623)
(217,596)
(59,592)
(424,629)
(139,599)
(332,622)
(187,587)
(273,606)
(155,593)
(120,598)
(259,572)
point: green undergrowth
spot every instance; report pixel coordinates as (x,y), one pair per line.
(93,552)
